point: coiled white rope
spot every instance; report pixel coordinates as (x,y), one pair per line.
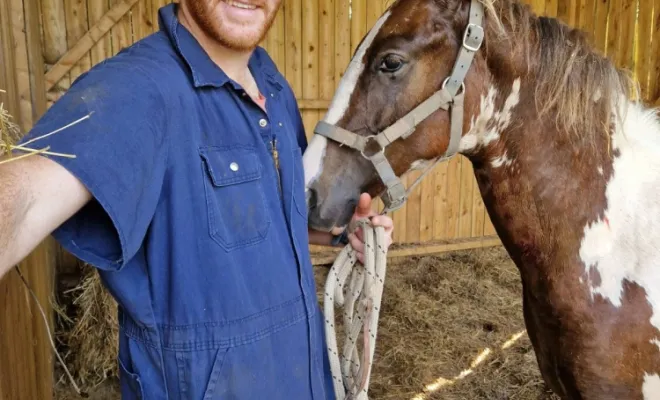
(361,301)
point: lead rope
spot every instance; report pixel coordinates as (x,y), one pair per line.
(361,301)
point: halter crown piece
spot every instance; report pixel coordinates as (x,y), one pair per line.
(447,98)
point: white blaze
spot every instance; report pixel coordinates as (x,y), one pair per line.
(313,157)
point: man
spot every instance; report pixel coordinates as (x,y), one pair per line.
(187,193)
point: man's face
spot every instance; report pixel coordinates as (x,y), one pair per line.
(237,24)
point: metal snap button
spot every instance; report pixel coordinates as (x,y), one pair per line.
(233,166)
(263,122)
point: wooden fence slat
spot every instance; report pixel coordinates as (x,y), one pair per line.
(426,207)
(327,74)
(453,186)
(310,53)
(76,27)
(600,25)
(54,30)
(293,33)
(654,53)
(121,33)
(26,352)
(85,43)
(358,22)
(643,52)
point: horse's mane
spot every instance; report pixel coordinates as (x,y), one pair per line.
(574,82)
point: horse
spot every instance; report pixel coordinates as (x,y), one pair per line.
(565,154)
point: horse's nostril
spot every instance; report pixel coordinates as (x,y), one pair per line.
(352,204)
(310,198)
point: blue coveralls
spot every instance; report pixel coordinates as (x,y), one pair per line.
(204,251)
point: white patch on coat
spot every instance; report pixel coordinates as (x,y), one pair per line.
(489,124)
(313,157)
(600,170)
(656,342)
(624,245)
(651,387)
(502,160)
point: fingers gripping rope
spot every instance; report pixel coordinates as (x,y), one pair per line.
(361,301)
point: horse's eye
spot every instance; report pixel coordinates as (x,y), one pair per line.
(391,63)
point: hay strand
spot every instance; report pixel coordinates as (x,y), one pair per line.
(10,134)
(91,335)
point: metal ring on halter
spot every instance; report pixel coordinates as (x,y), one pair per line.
(444,83)
(366,141)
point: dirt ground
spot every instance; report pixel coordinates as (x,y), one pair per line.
(450,328)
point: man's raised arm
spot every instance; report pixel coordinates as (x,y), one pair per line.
(36,196)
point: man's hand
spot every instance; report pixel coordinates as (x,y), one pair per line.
(364,211)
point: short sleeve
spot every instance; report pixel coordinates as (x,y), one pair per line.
(114,120)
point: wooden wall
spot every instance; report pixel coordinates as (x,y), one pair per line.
(311,41)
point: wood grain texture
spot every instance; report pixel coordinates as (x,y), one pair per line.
(25,352)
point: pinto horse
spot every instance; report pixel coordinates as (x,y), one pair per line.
(566,157)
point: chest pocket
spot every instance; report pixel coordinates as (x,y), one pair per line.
(236,204)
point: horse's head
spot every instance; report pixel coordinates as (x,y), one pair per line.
(420,57)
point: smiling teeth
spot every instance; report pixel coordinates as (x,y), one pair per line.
(241,5)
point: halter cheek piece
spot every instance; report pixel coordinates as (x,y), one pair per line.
(447,98)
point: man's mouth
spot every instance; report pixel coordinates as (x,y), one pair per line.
(239,4)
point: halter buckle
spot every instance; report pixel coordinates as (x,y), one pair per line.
(473,43)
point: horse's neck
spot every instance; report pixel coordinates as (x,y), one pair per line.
(554,199)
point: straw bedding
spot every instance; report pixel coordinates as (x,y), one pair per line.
(439,315)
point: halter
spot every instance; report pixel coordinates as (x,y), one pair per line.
(447,98)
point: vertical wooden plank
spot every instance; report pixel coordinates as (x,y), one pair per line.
(427,206)
(142,19)
(38,267)
(280,39)
(310,53)
(453,196)
(293,34)
(358,22)
(654,53)
(26,355)
(478,210)
(342,38)
(586,18)
(76,27)
(327,73)
(103,48)
(643,47)
(625,46)
(538,6)
(614,29)
(120,34)
(551,8)
(35,58)
(21,64)
(413,220)
(440,203)
(465,201)
(54,30)
(601,25)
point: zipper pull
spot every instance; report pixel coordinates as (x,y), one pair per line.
(276,161)
(276,156)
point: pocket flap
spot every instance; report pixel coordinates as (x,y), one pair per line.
(228,166)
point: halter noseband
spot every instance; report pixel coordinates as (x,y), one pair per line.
(447,98)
